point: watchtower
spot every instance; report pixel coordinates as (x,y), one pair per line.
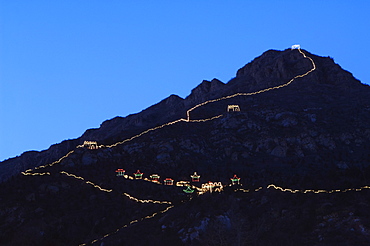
(233,108)
(91,145)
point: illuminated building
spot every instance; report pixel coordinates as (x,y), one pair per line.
(94,144)
(188,190)
(155,177)
(215,186)
(91,144)
(183,183)
(195,177)
(235,180)
(211,184)
(233,108)
(120,172)
(168,181)
(138,175)
(208,186)
(218,186)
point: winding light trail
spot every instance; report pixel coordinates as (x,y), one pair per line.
(145,201)
(256,92)
(27,172)
(127,225)
(110,190)
(180,183)
(239,189)
(316,191)
(87,182)
(158,127)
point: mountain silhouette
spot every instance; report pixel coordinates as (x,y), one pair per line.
(301,123)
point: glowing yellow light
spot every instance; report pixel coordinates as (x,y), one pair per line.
(130,223)
(183,183)
(152,180)
(205,187)
(91,145)
(145,201)
(87,182)
(161,126)
(35,174)
(256,92)
(212,186)
(216,186)
(315,191)
(48,165)
(234,108)
(244,190)
(258,189)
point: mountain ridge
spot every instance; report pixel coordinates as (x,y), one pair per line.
(253,76)
(298,145)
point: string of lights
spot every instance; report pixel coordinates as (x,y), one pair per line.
(27,172)
(256,92)
(87,182)
(106,190)
(35,174)
(130,223)
(316,191)
(145,201)
(180,120)
(249,190)
(208,187)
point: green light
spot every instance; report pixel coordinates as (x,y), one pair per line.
(188,190)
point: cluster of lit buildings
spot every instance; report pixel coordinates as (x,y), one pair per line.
(195,178)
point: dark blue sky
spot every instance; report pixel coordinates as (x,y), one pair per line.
(66,66)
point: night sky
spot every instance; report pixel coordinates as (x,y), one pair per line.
(66,66)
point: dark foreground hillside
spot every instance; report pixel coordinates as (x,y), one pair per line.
(64,212)
(312,134)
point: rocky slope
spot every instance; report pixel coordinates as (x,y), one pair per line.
(311,134)
(272,68)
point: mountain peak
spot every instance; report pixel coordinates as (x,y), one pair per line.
(301,126)
(273,68)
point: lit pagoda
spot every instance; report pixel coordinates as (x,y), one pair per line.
(168,181)
(155,177)
(195,177)
(120,172)
(138,174)
(235,180)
